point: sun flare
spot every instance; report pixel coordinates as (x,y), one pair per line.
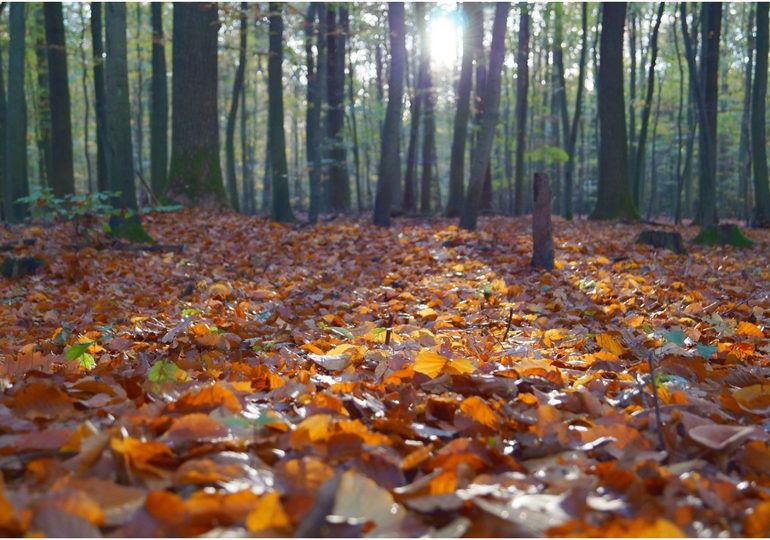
(444,38)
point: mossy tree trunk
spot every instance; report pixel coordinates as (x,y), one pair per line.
(97,45)
(158,105)
(41,112)
(16,181)
(614,198)
(195,174)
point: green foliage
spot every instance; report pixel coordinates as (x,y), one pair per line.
(46,207)
(162,371)
(78,352)
(549,155)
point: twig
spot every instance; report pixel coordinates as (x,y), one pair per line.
(389,330)
(508,326)
(656,401)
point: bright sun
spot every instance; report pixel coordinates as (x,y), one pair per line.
(445,37)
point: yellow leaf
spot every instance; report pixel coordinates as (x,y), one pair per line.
(554,334)
(428,314)
(749,329)
(268,514)
(430,363)
(609,343)
(460,366)
(754,399)
(312,429)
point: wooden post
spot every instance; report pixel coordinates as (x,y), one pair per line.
(542,236)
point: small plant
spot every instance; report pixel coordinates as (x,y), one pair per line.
(78,352)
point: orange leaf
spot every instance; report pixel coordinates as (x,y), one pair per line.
(757,523)
(477,409)
(748,329)
(268,514)
(609,343)
(430,363)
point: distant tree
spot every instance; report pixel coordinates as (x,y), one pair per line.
(62,177)
(744,144)
(316,84)
(338,185)
(491,100)
(3,126)
(428,126)
(280,208)
(415,111)
(569,170)
(758,121)
(15,177)
(462,114)
(232,115)
(41,109)
(158,105)
(97,44)
(390,156)
(614,197)
(522,83)
(195,174)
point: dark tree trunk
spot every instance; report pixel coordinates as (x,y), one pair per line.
(86,99)
(569,170)
(680,111)
(339,182)
(3,129)
(758,121)
(462,113)
(352,118)
(280,209)
(744,146)
(195,174)
(542,230)
(428,153)
(62,178)
(158,105)
(41,108)
(410,176)
(646,108)
(232,115)
(653,169)
(390,155)
(614,197)
(491,101)
(316,76)
(522,83)
(99,103)
(138,123)
(632,37)
(16,182)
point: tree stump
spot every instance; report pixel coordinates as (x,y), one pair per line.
(662,239)
(542,230)
(726,234)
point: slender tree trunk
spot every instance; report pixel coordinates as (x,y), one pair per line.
(16,182)
(99,103)
(338,186)
(246,203)
(418,96)
(758,122)
(632,39)
(462,113)
(139,94)
(744,146)
(195,174)
(614,197)
(232,115)
(522,82)
(315,99)
(680,111)
(646,108)
(653,169)
(573,131)
(3,130)
(43,111)
(491,101)
(158,105)
(280,208)
(354,123)
(86,100)
(390,156)
(429,126)
(61,178)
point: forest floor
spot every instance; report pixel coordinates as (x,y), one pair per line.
(251,384)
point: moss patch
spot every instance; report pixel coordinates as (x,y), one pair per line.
(723,235)
(129,228)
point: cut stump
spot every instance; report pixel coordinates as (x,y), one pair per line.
(671,241)
(542,230)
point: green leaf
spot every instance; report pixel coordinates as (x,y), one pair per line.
(77,350)
(706,351)
(162,371)
(87,361)
(377,331)
(647,329)
(344,332)
(674,336)
(187,312)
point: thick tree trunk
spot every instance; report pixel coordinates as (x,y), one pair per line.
(491,102)
(569,170)
(744,145)
(16,182)
(758,121)
(315,99)
(522,83)
(86,100)
(390,155)
(542,230)
(138,100)
(232,115)
(632,37)
(415,114)
(158,105)
(339,181)
(195,174)
(3,128)
(280,209)
(428,153)
(646,108)
(99,103)
(614,197)
(680,111)
(462,114)
(62,178)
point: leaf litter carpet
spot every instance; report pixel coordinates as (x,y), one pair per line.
(343,380)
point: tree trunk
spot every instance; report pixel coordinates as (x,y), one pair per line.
(614,197)
(246,161)
(99,103)
(653,168)
(462,113)
(429,126)
(339,182)
(488,121)
(418,96)
(16,182)
(315,100)
(522,82)
(353,122)
(158,105)
(758,121)
(86,100)
(232,115)
(62,178)
(43,108)
(390,155)
(280,209)
(3,130)
(680,111)
(138,123)
(646,108)
(632,37)
(569,170)
(542,230)
(195,175)
(744,145)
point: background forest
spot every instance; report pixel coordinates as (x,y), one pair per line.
(560,42)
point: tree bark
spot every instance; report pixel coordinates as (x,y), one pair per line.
(522,83)
(86,100)
(573,131)
(542,230)
(99,103)
(232,115)
(314,103)
(744,145)
(489,118)
(428,153)
(16,182)
(338,185)
(390,155)
(158,105)
(614,197)
(62,178)
(462,114)
(418,96)
(352,118)
(41,107)
(195,174)
(3,126)
(758,121)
